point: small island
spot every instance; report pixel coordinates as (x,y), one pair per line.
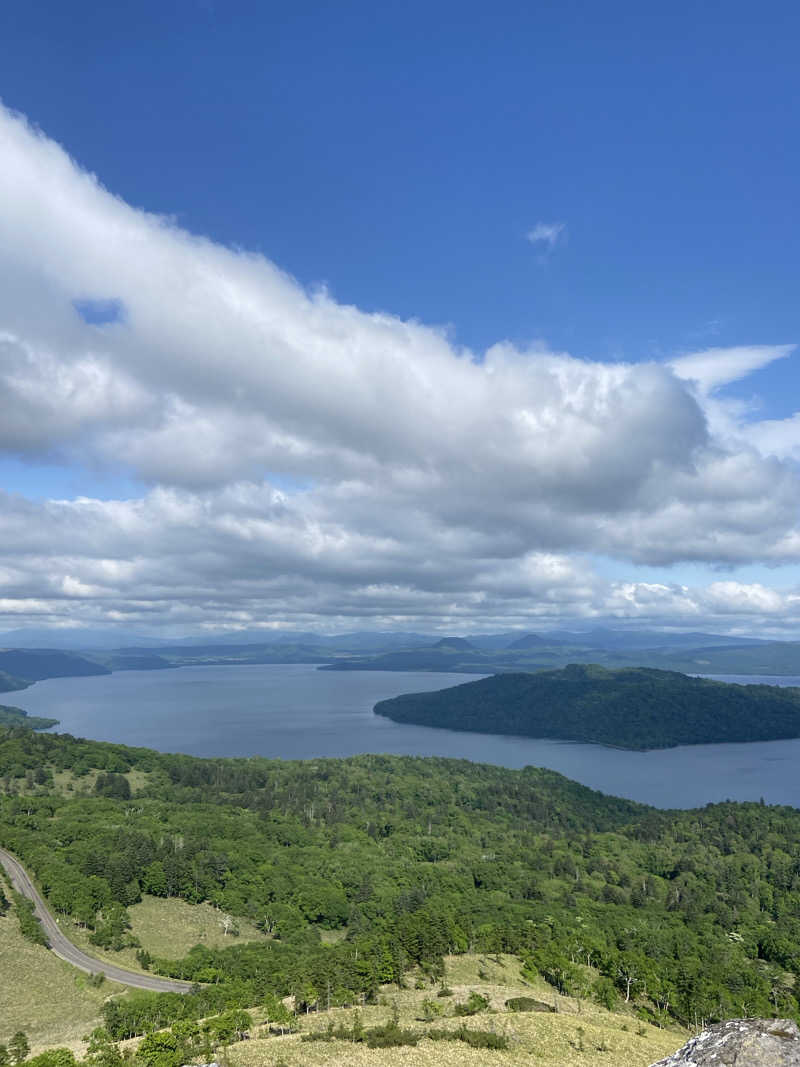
(634,707)
(10,716)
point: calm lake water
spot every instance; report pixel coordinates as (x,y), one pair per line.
(295,711)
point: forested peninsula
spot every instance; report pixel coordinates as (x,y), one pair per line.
(10,716)
(635,708)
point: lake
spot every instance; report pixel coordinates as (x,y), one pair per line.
(294,711)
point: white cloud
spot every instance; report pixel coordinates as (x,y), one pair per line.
(715,367)
(547,233)
(437,483)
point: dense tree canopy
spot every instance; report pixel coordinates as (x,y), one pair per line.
(10,716)
(692,914)
(633,707)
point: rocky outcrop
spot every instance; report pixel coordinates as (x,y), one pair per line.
(741,1043)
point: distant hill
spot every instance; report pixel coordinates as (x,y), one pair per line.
(10,716)
(419,659)
(530,641)
(144,662)
(10,684)
(633,707)
(628,640)
(456,643)
(35,664)
(77,639)
(688,653)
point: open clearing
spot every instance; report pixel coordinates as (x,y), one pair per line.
(167,927)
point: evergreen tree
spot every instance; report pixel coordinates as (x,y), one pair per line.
(19,1047)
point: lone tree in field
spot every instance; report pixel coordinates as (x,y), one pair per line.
(18,1046)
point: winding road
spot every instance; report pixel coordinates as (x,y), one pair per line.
(64,948)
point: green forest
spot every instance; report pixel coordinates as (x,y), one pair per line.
(689,915)
(10,716)
(633,707)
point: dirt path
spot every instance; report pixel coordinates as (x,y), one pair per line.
(64,948)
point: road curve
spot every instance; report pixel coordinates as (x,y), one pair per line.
(64,948)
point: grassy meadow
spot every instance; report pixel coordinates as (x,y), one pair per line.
(51,1001)
(167,927)
(579,1034)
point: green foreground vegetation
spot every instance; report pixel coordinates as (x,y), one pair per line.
(633,707)
(58,1010)
(348,877)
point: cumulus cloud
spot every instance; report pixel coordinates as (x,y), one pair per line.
(304,460)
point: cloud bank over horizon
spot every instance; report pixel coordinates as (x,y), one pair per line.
(302,462)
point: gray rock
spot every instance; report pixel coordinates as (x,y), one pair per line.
(741,1043)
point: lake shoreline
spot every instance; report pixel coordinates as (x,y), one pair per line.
(292,711)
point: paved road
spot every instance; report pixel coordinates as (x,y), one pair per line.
(64,948)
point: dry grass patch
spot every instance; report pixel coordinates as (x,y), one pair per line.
(580,1034)
(534,1040)
(68,784)
(332,937)
(40,994)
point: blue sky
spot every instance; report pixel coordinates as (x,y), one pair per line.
(400,154)
(614,182)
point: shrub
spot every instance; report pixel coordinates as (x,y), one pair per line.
(390,1035)
(54,1057)
(431,1010)
(474,1003)
(29,926)
(528,1004)
(605,992)
(474,1038)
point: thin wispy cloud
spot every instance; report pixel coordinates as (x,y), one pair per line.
(716,367)
(547,234)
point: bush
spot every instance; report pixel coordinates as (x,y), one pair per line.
(53,1057)
(29,925)
(474,1038)
(528,1004)
(605,992)
(474,1003)
(161,1049)
(431,1010)
(390,1035)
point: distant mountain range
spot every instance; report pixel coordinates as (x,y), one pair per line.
(78,640)
(689,653)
